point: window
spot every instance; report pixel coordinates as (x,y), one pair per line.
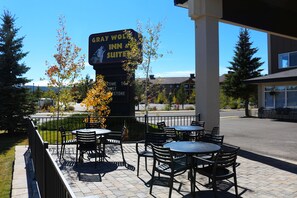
(281,96)
(292,96)
(287,60)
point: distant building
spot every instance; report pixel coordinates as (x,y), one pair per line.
(172,84)
(278,90)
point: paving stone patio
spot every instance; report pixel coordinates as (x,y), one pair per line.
(112,179)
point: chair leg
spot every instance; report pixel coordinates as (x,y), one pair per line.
(171,185)
(138,165)
(61,151)
(152,180)
(146,165)
(235,185)
(76,155)
(123,155)
(214,187)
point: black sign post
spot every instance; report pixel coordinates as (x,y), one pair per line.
(107,52)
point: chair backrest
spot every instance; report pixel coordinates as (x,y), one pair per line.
(124,133)
(198,123)
(216,139)
(215,131)
(62,133)
(155,138)
(161,125)
(90,125)
(170,131)
(162,154)
(86,139)
(227,157)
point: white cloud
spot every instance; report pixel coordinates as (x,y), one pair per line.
(185,73)
(40,83)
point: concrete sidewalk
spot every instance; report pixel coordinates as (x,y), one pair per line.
(258,176)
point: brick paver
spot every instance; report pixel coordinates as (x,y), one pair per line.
(111,179)
(255,179)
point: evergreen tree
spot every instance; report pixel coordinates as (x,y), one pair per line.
(243,66)
(16,101)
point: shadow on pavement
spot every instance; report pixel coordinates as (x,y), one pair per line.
(286,166)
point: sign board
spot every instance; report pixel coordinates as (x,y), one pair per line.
(109,47)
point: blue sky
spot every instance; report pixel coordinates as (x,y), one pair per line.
(38,21)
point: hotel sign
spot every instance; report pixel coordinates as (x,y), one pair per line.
(109,47)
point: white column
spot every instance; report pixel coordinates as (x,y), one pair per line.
(206,14)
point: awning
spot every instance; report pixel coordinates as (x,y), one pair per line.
(288,75)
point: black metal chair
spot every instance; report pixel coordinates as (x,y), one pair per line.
(161,125)
(198,123)
(196,135)
(65,140)
(165,163)
(86,142)
(221,166)
(90,125)
(146,151)
(215,131)
(216,139)
(171,133)
(116,138)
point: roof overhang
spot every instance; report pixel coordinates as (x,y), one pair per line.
(181,3)
(273,16)
(285,76)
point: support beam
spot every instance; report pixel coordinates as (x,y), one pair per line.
(206,14)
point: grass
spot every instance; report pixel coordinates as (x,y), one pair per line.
(7,155)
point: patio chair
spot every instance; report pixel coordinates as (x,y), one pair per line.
(90,125)
(161,125)
(146,152)
(167,164)
(216,139)
(86,142)
(116,138)
(65,140)
(171,133)
(221,166)
(198,123)
(196,135)
(215,131)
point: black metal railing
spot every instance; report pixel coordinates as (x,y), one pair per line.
(137,125)
(278,113)
(50,180)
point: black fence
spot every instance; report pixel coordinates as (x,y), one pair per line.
(50,180)
(137,125)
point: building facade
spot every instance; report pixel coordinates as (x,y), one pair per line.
(278,90)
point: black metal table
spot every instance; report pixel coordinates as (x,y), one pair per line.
(190,148)
(98,131)
(186,130)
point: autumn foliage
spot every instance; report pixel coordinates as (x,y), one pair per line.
(67,68)
(97,100)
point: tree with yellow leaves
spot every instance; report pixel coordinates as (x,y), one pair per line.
(97,100)
(68,66)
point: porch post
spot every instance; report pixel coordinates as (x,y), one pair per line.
(206,14)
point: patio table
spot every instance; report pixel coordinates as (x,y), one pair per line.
(186,130)
(191,148)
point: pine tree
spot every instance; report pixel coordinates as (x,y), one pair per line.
(15,99)
(243,66)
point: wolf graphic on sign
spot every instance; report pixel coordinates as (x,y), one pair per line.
(98,55)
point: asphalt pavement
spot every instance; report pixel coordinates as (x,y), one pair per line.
(261,136)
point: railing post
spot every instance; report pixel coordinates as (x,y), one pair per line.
(45,146)
(146,123)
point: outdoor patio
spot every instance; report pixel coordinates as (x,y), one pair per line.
(112,179)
